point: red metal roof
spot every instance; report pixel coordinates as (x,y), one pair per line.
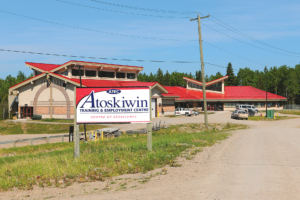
(231,92)
(43,66)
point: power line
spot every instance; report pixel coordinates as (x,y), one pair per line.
(105,32)
(141,37)
(247,43)
(144,9)
(130,13)
(219,22)
(98,58)
(234,54)
(101,58)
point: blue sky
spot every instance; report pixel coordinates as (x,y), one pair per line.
(275,23)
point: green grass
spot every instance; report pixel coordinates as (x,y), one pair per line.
(104,159)
(289,112)
(58,120)
(12,128)
(261,118)
(209,113)
(35,148)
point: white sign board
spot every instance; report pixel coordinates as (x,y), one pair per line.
(113,105)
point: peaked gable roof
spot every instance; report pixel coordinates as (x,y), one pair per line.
(207,83)
(42,67)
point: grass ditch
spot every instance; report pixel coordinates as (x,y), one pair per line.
(290,112)
(57,120)
(104,159)
(16,128)
(261,118)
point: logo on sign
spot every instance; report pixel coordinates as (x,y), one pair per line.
(113,91)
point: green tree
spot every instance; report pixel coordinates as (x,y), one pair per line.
(167,79)
(232,80)
(198,76)
(160,76)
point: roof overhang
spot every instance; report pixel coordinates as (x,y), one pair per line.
(35,68)
(27,81)
(160,87)
(99,66)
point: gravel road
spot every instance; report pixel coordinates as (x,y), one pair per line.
(261,162)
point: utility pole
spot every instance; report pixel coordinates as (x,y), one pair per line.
(202,68)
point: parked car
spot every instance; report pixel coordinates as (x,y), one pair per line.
(241,114)
(232,114)
(251,112)
(246,107)
(184,111)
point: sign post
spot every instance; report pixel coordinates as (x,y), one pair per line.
(76,129)
(149,125)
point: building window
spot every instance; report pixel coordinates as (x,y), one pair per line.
(184,105)
(90,73)
(75,72)
(215,87)
(192,85)
(231,105)
(130,75)
(120,75)
(65,73)
(106,74)
(259,104)
(200,104)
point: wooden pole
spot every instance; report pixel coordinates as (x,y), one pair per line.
(149,125)
(202,69)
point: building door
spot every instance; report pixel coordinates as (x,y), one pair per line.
(153,107)
(210,106)
(26,112)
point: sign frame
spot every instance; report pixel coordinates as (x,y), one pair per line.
(117,87)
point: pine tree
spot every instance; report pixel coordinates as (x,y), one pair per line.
(232,80)
(198,76)
(167,79)
(160,76)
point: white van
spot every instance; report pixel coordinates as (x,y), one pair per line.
(246,107)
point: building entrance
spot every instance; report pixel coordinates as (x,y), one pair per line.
(153,107)
(26,112)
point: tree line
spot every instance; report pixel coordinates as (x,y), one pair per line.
(283,80)
(5,84)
